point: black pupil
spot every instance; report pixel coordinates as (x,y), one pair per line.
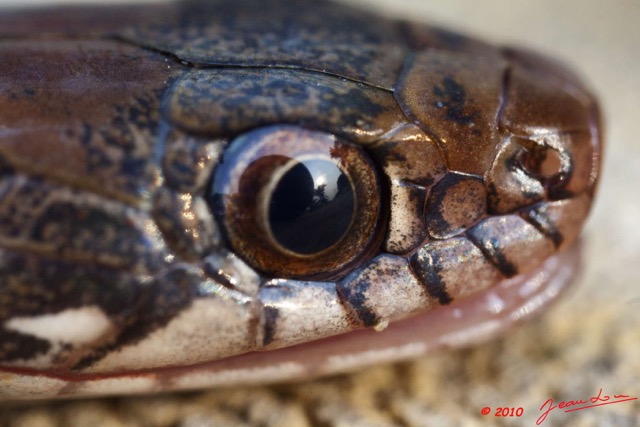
(311,207)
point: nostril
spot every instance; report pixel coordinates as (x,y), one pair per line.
(550,165)
(540,161)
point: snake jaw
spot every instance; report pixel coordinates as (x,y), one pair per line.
(121,265)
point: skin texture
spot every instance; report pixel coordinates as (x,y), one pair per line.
(116,260)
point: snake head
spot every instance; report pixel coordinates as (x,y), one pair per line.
(183,204)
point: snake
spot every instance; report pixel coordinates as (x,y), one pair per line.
(210,193)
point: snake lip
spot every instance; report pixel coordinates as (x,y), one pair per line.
(474,319)
(470,321)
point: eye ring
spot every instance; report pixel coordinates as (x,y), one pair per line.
(297,203)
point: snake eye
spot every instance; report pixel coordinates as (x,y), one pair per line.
(297,203)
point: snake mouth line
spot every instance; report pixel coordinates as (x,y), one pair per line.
(469,321)
(472,320)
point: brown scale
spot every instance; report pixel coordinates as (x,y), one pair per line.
(456,202)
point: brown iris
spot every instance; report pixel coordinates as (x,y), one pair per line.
(297,203)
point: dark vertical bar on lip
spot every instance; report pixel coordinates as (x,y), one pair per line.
(491,247)
(426,268)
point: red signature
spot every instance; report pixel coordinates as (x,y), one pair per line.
(577,405)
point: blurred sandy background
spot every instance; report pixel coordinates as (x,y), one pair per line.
(587,342)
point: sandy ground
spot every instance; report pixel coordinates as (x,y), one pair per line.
(588,342)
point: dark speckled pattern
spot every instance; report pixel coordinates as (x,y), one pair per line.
(308,35)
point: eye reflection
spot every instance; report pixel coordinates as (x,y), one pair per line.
(311,207)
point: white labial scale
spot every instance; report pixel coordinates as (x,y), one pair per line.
(74,327)
(514,240)
(213,326)
(457,266)
(406,228)
(295,311)
(386,289)
(568,216)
